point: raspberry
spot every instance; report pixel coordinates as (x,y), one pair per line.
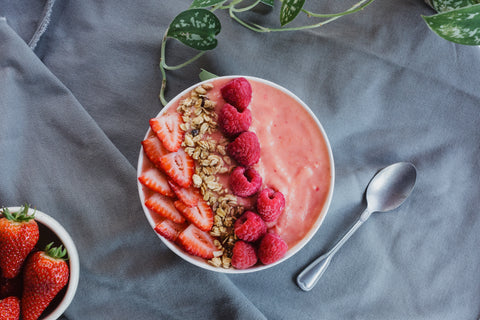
(245,149)
(232,122)
(244,255)
(238,93)
(272,248)
(250,227)
(245,182)
(270,204)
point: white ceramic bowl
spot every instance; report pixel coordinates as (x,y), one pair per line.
(291,251)
(59,304)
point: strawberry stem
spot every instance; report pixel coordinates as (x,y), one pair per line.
(19,216)
(56,252)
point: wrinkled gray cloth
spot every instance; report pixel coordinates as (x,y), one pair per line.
(74,110)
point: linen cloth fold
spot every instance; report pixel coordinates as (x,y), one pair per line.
(73,113)
(43,25)
(55,157)
(30,19)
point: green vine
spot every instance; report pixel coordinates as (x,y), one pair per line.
(198,26)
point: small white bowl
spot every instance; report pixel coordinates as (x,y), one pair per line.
(59,231)
(291,251)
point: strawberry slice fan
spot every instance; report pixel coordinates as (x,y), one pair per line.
(186,217)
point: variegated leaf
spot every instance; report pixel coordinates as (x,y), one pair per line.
(447,5)
(195,28)
(289,10)
(460,25)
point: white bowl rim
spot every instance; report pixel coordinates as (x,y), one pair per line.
(73,258)
(291,251)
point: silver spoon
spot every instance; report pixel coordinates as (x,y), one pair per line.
(386,191)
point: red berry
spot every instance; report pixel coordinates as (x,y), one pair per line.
(201,215)
(270,204)
(45,274)
(154,149)
(245,182)
(189,196)
(169,229)
(232,122)
(272,248)
(238,93)
(18,236)
(197,242)
(243,255)
(245,149)
(156,180)
(250,227)
(10,308)
(167,128)
(179,166)
(164,207)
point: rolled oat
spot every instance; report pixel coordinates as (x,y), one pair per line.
(200,120)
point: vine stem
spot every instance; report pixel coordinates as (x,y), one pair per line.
(250,7)
(163,67)
(333,16)
(255,27)
(162,70)
(355,8)
(232,10)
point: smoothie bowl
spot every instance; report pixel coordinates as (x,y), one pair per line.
(235,174)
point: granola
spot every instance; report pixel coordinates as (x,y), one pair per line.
(200,121)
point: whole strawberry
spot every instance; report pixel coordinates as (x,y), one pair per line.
(18,236)
(45,274)
(10,308)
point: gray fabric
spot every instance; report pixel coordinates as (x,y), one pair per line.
(43,25)
(386,89)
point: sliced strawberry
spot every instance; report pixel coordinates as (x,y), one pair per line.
(188,196)
(197,242)
(154,149)
(200,215)
(164,207)
(169,229)
(156,180)
(167,128)
(179,166)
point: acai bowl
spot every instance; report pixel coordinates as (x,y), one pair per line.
(256,148)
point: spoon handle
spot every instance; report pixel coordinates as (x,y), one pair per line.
(307,279)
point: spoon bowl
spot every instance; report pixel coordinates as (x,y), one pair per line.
(386,191)
(391,186)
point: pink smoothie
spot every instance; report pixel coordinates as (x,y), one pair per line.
(294,157)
